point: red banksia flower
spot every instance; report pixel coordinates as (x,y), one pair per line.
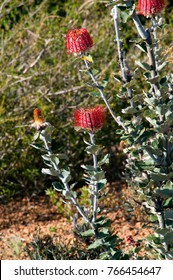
(39,121)
(132,242)
(91,119)
(150,7)
(78,40)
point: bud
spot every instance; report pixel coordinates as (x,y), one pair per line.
(39,122)
(78,40)
(91,119)
(150,7)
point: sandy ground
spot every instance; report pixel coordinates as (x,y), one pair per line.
(23,219)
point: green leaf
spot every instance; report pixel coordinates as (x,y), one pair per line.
(55,159)
(104,256)
(92,149)
(58,186)
(97,244)
(167,235)
(105,230)
(105,160)
(129,110)
(142,47)
(88,167)
(149,79)
(150,101)
(143,165)
(50,171)
(161,66)
(160,176)
(66,175)
(163,231)
(169,118)
(95,71)
(103,222)
(62,156)
(101,184)
(152,122)
(152,151)
(126,12)
(36,136)
(47,133)
(118,78)
(104,233)
(99,176)
(168,202)
(169,214)
(169,255)
(37,146)
(165,193)
(110,3)
(89,232)
(104,83)
(124,16)
(46,157)
(143,65)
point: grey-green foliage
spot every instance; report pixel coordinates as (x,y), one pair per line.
(149,165)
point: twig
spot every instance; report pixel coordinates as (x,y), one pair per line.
(34,62)
(125,71)
(95,184)
(117,119)
(64,91)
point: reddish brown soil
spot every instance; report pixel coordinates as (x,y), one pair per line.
(22,219)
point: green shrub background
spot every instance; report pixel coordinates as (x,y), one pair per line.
(36,71)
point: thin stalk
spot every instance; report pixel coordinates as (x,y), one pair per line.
(125,71)
(154,31)
(66,185)
(162,225)
(117,119)
(142,32)
(95,185)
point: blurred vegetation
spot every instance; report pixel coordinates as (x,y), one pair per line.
(46,249)
(36,71)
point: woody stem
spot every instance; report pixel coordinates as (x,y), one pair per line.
(93,78)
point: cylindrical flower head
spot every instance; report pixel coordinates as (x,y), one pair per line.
(39,121)
(78,40)
(91,119)
(150,7)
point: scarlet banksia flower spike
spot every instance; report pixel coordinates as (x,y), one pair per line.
(90,119)
(39,122)
(78,40)
(150,7)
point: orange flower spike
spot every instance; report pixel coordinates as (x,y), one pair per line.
(39,122)
(37,116)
